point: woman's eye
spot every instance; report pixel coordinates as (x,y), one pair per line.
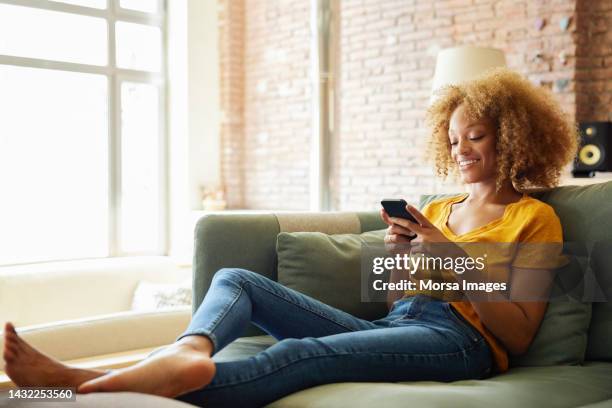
(477,137)
(452,143)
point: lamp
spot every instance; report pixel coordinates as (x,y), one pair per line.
(458,64)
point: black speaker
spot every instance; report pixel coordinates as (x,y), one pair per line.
(595,153)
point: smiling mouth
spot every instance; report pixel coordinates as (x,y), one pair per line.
(464,164)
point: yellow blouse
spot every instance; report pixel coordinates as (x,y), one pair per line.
(526,221)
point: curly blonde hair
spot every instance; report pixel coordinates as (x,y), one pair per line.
(535,138)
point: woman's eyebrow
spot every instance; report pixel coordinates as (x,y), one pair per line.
(450,130)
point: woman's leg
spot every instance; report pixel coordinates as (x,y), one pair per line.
(238,297)
(422,343)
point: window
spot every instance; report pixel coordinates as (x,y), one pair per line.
(82,129)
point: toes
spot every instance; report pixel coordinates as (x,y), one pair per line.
(13,347)
(9,354)
(9,358)
(9,328)
(20,343)
(10,334)
(13,341)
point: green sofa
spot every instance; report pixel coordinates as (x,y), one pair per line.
(249,241)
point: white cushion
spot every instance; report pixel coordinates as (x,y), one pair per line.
(153,296)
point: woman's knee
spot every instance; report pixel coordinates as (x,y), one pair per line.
(236,275)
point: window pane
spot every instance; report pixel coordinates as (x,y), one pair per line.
(99,4)
(58,36)
(53,165)
(138,46)
(148,6)
(140,176)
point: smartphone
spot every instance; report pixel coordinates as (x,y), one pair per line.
(396,207)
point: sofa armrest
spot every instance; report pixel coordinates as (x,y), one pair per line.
(35,294)
(107,334)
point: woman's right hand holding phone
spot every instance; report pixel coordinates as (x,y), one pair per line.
(396,237)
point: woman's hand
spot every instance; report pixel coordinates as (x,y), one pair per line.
(396,234)
(426,232)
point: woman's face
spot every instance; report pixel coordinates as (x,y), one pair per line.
(472,146)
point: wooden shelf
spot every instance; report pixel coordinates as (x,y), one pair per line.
(585,181)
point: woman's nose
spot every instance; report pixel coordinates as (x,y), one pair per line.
(463,146)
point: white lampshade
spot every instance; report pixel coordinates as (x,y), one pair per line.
(458,64)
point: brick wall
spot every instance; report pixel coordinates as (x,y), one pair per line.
(231,60)
(386,62)
(267,104)
(594,60)
(388,59)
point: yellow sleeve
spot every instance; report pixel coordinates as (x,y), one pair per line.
(540,244)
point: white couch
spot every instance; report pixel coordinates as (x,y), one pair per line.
(78,309)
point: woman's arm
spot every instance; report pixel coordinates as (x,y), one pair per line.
(514,323)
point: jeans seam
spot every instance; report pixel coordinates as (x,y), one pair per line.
(216,322)
(471,331)
(300,306)
(409,315)
(460,352)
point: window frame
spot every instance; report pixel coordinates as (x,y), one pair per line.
(115,77)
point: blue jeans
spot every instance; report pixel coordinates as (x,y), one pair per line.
(420,339)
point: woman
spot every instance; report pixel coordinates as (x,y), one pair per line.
(501,135)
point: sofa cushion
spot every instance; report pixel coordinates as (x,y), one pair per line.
(600,404)
(155,296)
(244,347)
(562,386)
(562,336)
(324,266)
(586,217)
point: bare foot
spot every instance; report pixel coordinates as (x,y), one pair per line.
(180,368)
(28,367)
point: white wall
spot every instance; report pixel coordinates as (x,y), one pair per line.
(194,116)
(203,89)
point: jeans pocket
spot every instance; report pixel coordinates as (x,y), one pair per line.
(413,311)
(409,316)
(395,304)
(466,327)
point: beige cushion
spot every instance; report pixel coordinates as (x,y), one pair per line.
(329,222)
(525,387)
